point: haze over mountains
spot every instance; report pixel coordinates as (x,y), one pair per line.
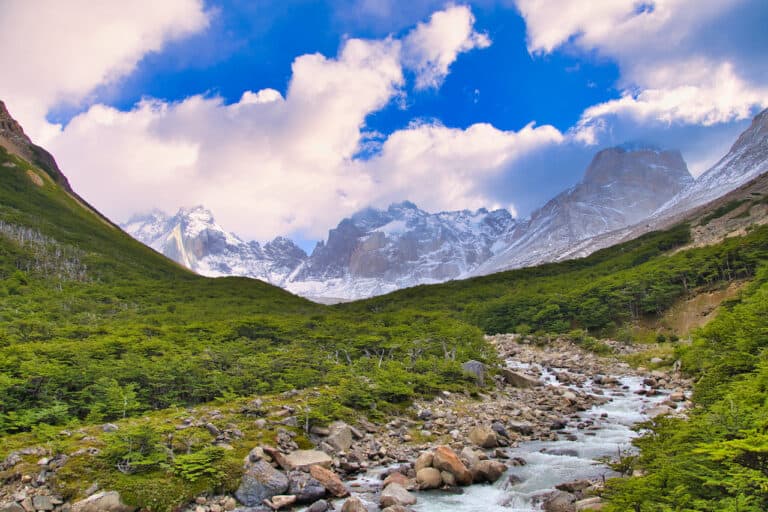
(378,251)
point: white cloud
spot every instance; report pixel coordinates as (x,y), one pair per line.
(269,165)
(55,52)
(668,72)
(431,48)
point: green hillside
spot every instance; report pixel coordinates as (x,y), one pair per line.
(96,327)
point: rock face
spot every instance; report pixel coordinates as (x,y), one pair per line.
(622,186)
(194,239)
(260,482)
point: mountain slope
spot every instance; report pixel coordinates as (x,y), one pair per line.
(620,187)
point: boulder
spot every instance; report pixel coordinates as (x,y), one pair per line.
(424,460)
(521,427)
(353,504)
(429,478)
(318,506)
(306,488)
(574,486)
(396,494)
(330,481)
(396,478)
(339,436)
(477,369)
(260,482)
(11,507)
(559,501)
(107,501)
(448,479)
(445,459)
(595,503)
(487,471)
(518,380)
(396,508)
(281,501)
(302,459)
(469,456)
(483,437)
(41,502)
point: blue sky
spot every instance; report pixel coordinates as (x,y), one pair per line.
(285,116)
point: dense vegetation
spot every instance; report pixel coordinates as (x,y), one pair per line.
(718,459)
(96,326)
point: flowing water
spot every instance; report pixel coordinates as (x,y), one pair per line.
(549,463)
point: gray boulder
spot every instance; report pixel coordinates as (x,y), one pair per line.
(304,487)
(106,501)
(477,369)
(340,436)
(260,482)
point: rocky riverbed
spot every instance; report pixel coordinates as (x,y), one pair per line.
(529,443)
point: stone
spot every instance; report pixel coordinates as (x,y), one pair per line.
(483,437)
(109,427)
(518,380)
(42,502)
(229,503)
(574,486)
(448,479)
(445,459)
(424,460)
(340,436)
(318,506)
(677,396)
(429,478)
(330,481)
(301,459)
(260,482)
(559,501)
(521,427)
(281,501)
(595,503)
(353,504)
(105,501)
(477,369)
(306,488)
(498,427)
(487,471)
(469,456)
(396,477)
(11,507)
(396,508)
(396,494)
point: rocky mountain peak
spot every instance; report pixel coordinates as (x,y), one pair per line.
(633,163)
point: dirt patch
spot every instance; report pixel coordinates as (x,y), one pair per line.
(34,178)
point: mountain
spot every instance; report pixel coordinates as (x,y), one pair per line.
(372,252)
(193,238)
(622,186)
(377,251)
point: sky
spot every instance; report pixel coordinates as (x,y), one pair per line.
(284,116)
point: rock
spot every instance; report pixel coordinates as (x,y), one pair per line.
(109,427)
(469,457)
(229,503)
(558,425)
(483,437)
(424,460)
(318,506)
(477,369)
(300,459)
(521,427)
(559,501)
(11,507)
(396,494)
(396,508)
(448,479)
(498,427)
(105,501)
(595,503)
(353,504)
(330,481)
(260,482)
(306,488)
(677,396)
(574,486)
(445,459)
(42,503)
(658,411)
(656,360)
(281,501)
(429,478)
(396,478)
(340,436)
(487,471)
(518,380)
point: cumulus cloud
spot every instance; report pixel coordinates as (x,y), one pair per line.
(431,48)
(269,165)
(58,52)
(669,71)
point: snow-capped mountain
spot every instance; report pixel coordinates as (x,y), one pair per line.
(194,239)
(622,186)
(377,251)
(746,160)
